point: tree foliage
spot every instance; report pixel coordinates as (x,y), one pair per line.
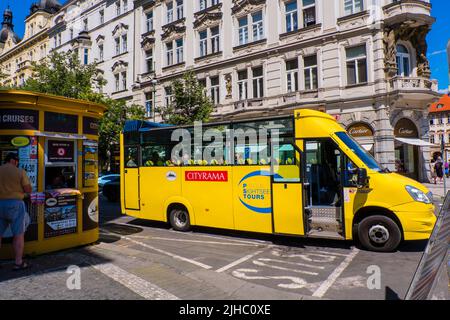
(189,102)
(63,74)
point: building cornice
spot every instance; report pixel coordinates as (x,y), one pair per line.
(24,45)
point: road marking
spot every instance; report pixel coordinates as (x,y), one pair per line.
(237,262)
(294,263)
(204,266)
(262,264)
(332,253)
(199,241)
(320,292)
(138,285)
(222,238)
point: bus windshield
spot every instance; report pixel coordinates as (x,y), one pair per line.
(365,156)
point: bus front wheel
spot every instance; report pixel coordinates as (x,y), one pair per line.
(179,219)
(379,233)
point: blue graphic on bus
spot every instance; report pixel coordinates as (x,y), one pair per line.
(256,197)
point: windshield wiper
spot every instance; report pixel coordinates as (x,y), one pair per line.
(385,170)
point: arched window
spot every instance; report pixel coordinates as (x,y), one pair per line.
(403,61)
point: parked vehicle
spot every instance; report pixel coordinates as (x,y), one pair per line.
(313,180)
(107,178)
(111,190)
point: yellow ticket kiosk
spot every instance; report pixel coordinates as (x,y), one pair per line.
(56,139)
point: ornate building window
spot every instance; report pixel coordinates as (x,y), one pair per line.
(243,30)
(403,61)
(309,13)
(178,57)
(242,85)
(169,15)
(168,96)
(209,41)
(310,72)
(203,38)
(257,26)
(149,62)
(255,21)
(291,16)
(353,6)
(180,50)
(215,90)
(149,21)
(356,65)
(258,82)
(169,53)
(292,75)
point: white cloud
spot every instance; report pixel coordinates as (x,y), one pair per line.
(443,91)
(434,53)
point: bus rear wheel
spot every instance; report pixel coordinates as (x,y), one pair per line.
(379,233)
(179,219)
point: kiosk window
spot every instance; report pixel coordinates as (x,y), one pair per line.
(60,177)
(60,164)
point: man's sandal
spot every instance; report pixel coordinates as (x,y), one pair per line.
(22,266)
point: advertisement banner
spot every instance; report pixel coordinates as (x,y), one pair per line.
(60,151)
(90,125)
(60,216)
(90,211)
(28,160)
(19,119)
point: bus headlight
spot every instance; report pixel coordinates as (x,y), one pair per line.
(417,195)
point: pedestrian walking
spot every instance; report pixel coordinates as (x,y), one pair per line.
(439,167)
(433,171)
(14,184)
(446,167)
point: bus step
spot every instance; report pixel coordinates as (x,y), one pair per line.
(325,234)
(324,223)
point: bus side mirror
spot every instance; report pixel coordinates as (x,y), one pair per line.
(362,178)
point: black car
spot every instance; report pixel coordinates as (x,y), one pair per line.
(111,190)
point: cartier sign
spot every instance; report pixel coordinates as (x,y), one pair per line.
(405,128)
(360,130)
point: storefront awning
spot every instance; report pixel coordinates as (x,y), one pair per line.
(71,136)
(416,142)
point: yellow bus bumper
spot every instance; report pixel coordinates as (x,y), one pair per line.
(417,225)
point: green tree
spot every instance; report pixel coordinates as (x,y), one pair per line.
(63,74)
(189,102)
(112,124)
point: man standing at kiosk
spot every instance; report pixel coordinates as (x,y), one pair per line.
(14,183)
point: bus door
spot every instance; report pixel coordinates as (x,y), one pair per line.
(287,204)
(323,163)
(131,178)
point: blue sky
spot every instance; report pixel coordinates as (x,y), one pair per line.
(437,38)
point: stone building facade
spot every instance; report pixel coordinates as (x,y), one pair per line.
(363,61)
(16,54)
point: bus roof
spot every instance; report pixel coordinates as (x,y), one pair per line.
(142,126)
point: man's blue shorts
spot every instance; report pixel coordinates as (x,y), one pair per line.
(12,213)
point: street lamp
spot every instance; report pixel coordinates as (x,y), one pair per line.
(154,82)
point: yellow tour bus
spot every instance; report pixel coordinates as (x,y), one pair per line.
(299,175)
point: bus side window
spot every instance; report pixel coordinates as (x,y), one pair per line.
(131,157)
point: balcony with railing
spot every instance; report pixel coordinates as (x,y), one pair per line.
(412,84)
(23,65)
(399,11)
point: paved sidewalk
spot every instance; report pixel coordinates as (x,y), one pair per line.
(438,188)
